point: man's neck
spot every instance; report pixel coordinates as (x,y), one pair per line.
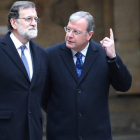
(20,38)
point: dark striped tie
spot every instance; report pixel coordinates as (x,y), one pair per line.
(79,63)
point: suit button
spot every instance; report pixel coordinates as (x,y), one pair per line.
(30,91)
(80,138)
(117,66)
(80,115)
(30,112)
(79,91)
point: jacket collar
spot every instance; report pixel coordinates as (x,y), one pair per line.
(10,50)
(91,56)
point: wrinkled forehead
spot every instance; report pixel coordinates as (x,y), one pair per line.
(78,24)
(27,12)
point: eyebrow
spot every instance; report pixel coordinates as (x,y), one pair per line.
(74,29)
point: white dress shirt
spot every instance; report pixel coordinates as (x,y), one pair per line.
(27,52)
(84,52)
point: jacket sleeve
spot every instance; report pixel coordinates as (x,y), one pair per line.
(120,77)
(46,91)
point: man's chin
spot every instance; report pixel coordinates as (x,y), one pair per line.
(68,46)
(32,35)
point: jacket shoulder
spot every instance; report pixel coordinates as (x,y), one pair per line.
(96,46)
(56,47)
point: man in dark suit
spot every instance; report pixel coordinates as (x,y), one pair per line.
(79,77)
(23,67)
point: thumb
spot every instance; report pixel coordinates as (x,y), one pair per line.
(101,42)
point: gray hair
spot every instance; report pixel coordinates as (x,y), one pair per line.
(89,18)
(14,11)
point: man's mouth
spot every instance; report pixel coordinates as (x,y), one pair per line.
(32,29)
(69,41)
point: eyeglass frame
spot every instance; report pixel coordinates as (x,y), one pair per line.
(78,32)
(37,20)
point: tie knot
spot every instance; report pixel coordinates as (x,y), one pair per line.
(78,55)
(23,47)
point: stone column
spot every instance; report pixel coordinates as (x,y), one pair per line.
(107,16)
(127,28)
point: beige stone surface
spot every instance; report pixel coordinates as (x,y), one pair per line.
(126,23)
(121,15)
(54,16)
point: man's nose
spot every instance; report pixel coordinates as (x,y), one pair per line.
(70,33)
(33,22)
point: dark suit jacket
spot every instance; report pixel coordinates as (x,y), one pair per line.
(77,108)
(20,112)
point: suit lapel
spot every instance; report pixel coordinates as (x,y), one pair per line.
(36,55)
(10,50)
(90,59)
(68,60)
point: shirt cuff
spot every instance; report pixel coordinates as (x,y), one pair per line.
(110,60)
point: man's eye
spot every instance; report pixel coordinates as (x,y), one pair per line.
(76,32)
(28,19)
(68,29)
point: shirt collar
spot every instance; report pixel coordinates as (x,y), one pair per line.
(84,51)
(17,43)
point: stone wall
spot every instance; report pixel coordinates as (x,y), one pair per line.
(123,17)
(54,16)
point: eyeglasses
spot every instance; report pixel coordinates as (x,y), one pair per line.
(68,30)
(29,19)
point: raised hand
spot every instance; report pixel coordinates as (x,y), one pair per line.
(108,45)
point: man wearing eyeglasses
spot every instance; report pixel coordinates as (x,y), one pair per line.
(23,67)
(79,77)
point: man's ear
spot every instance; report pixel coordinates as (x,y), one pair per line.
(90,34)
(13,23)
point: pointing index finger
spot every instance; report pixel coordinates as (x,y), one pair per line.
(111,34)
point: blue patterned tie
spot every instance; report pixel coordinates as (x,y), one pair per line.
(24,60)
(79,63)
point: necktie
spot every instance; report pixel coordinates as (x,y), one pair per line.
(24,60)
(79,63)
